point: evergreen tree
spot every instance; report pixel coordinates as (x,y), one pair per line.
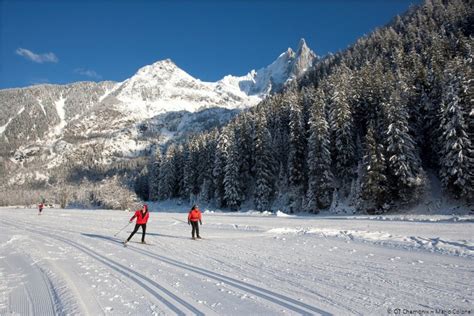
(296,151)
(264,166)
(243,135)
(168,180)
(141,184)
(206,167)
(457,148)
(342,125)
(154,177)
(232,190)
(374,191)
(190,170)
(404,164)
(220,161)
(320,177)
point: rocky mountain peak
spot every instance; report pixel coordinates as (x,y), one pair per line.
(304,59)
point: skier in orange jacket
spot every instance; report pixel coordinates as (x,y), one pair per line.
(194,217)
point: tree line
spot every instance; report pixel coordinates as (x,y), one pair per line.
(365,125)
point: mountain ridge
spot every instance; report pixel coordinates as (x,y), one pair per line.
(43,126)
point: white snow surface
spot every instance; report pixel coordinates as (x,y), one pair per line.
(59,105)
(3,127)
(70,262)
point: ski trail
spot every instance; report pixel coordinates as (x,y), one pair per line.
(33,293)
(265,294)
(137,277)
(268,295)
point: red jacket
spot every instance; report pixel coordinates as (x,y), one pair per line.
(141,218)
(194,215)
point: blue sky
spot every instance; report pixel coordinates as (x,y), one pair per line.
(64,41)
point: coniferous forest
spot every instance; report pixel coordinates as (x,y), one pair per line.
(367,126)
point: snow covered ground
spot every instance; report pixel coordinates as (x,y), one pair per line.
(69,262)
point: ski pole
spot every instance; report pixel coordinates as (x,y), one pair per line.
(178,220)
(122,229)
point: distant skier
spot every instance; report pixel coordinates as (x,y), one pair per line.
(40,208)
(194,217)
(142,218)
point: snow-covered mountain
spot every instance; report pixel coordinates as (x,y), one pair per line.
(45,126)
(164,87)
(288,66)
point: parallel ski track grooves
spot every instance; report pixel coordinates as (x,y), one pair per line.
(268,295)
(129,273)
(275,298)
(256,290)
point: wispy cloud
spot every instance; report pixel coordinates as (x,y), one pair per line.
(37,58)
(87,72)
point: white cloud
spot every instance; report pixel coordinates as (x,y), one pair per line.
(88,73)
(37,58)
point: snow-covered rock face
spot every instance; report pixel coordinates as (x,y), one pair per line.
(65,121)
(164,87)
(288,66)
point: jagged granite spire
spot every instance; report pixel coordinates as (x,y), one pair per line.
(304,59)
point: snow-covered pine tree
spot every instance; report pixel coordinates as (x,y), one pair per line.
(154,176)
(232,190)
(190,172)
(178,170)
(277,116)
(374,191)
(320,177)
(167,179)
(220,161)
(206,166)
(407,178)
(243,135)
(456,143)
(264,168)
(296,151)
(142,188)
(342,125)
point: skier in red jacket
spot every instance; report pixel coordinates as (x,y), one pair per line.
(194,217)
(142,218)
(40,208)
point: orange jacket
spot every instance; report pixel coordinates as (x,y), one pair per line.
(194,215)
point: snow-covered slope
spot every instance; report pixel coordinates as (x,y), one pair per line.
(245,265)
(45,126)
(164,87)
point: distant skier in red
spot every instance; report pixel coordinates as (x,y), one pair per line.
(194,217)
(40,208)
(142,218)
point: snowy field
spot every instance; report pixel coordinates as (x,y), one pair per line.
(69,262)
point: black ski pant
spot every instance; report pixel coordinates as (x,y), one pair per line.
(195,230)
(136,229)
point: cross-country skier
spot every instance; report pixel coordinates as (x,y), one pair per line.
(40,208)
(194,217)
(142,218)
